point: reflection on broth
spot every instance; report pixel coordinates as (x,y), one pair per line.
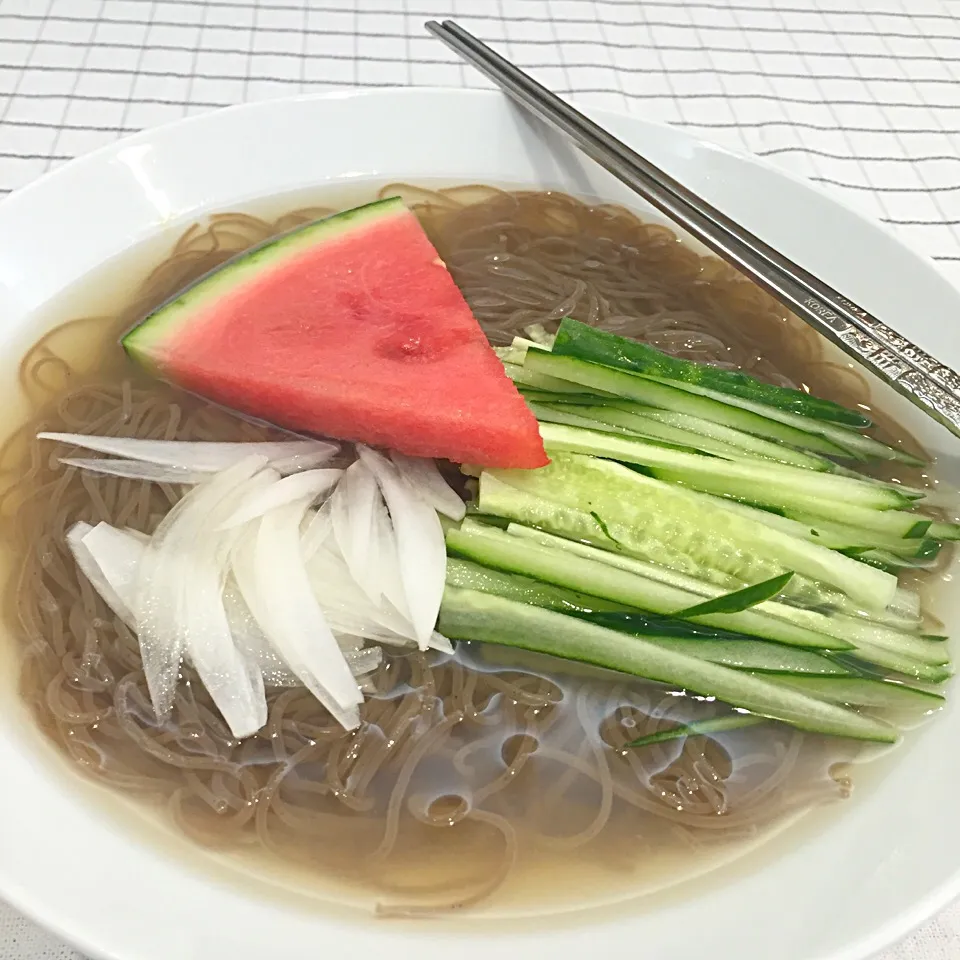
(470,772)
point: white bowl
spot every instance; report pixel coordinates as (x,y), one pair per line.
(72,861)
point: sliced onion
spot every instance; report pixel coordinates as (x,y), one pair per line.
(387,560)
(304,461)
(117,555)
(439,642)
(91,569)
(233,679)
(421,550)
(427,480)
(202,456)
(364,661)
(162,601)
(135,470)
(347,608)
(352,516)
(317,529)
(273,580)
(310,483)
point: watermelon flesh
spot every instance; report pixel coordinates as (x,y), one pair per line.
(353,328)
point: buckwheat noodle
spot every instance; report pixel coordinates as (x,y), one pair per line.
(466,769)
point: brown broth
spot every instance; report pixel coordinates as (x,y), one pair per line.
(439,800)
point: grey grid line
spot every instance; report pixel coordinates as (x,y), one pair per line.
(427,13)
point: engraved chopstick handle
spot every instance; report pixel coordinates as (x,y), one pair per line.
(928,383)
(895,359)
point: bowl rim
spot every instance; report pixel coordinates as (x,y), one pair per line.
(883,934)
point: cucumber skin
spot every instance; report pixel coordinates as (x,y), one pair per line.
(501,551)
(668,396)
(576,339)
(467,615)
(624,499)
(779,485)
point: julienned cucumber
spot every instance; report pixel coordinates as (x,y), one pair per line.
(856,444)
(469,615)
(527,376)
(494,548)
(827,533)
(472,576)
(875,642)
(672,526)
(576,416)
(721,441)
(667,396)
(891,523)
(775,484)
(575,339)
(747,442)
(865,692)
(757,655)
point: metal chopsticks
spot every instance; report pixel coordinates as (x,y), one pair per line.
(931,385)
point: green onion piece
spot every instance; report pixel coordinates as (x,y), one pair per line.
(739,599)
(715,725)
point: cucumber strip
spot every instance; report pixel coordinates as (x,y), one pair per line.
(852,536)
(867,637)
(888,560)
(576,416)
(865,692)
(472,576)
(666,396)
(914,493)
(866,656)
(747,442)
(469,615)
(566,399)
(939,530)
(576,339)
(699,728)
(735,446)
(762,482)
(828,533)
(756,655)
(528,377)
(672,526)
(891,523)
(856,444)
(494,548)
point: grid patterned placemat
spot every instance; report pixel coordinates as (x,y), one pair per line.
(862,96)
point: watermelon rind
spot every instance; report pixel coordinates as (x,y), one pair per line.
(141,342)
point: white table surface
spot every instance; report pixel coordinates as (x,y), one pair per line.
(862,96)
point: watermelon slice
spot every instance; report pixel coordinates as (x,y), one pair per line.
(350,327)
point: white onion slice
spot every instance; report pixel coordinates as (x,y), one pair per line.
(92,570)
(135,470)
(273,580)
(352,509)
(202,456)
(364,661)
(388,563)
(439,642)
(161,596)
(421,550)
(298,486)
(316,530)
(117,555)
(304,461)
(424,476)
(233,680)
